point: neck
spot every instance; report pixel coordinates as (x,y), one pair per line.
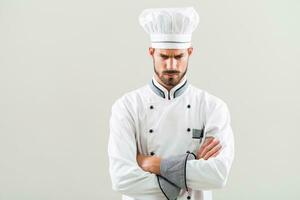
(171,92)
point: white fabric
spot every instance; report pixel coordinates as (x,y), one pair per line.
(169,94)
(169,28)
(131,120)
(169,45)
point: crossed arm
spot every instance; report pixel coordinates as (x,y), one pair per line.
(141,176)
(210,148)
(171,172)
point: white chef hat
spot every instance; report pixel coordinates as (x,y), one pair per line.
(170,28)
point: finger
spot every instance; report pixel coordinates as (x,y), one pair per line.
(216,154)
(200,150)
(202,147)
(207,147)
(139,158)
(212,152)
(211,145)
(207,141)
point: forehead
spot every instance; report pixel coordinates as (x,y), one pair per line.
(170,51)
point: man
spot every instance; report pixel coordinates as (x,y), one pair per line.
(168,139)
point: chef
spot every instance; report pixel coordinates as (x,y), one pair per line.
(169,139)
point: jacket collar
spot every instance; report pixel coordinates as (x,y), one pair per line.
(164,93)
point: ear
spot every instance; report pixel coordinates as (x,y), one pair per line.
(190,50)
(151,51)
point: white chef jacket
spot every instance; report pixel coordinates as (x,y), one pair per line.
(153,121)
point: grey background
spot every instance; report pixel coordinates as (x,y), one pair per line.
(63,63)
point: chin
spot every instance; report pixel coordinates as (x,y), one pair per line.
(172,82)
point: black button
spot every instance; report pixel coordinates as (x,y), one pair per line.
(152,153)
(189,106)
(188,130)
(151,107)
(150,131)
(188,197)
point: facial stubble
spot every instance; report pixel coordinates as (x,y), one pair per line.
(169,81)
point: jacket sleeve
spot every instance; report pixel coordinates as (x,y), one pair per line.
(187,172)
(213,173)
(126,175)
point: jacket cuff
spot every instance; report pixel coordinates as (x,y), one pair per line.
(170,190)
(174,169)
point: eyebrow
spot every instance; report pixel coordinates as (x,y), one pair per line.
(179,55)
(164,55)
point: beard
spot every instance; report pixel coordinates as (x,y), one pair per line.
(170,77)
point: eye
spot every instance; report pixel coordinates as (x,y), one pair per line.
(178,57)
(164,56)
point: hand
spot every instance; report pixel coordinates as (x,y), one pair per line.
(210,148)
(149,163)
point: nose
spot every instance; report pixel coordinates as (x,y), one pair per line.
(171,64)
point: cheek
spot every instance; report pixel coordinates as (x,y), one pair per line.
(184,59)
(159,64)
(182,65)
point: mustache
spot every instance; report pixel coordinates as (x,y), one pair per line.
(171,72)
